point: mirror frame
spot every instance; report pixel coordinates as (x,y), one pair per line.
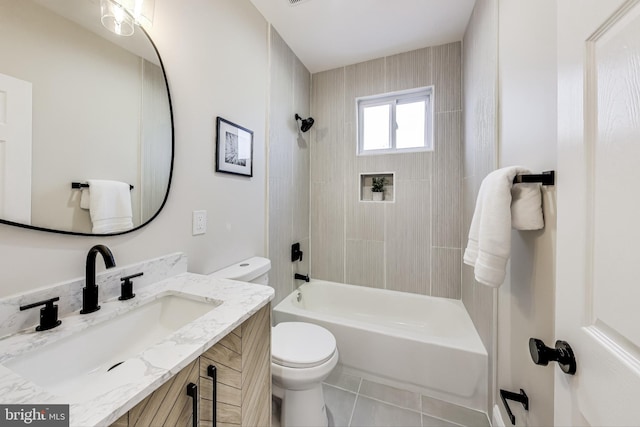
(166,196)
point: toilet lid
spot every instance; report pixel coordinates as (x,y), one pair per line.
(301,345)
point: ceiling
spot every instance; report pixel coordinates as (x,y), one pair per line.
(327,34)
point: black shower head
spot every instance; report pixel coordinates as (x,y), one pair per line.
(306,123)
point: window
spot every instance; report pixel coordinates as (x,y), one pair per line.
(395,122)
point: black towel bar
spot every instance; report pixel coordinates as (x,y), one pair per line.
(520,398)
(76,185)
(545,178)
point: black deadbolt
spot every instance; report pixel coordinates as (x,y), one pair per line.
(563,354)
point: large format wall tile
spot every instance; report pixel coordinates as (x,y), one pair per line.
(288,165)
(364,219)
(365,263)
(365,78)
(301,89)
(281,136)
(480,152)
(426,213)
(280,236)
(406,166)
(408,237)
(484,300)
(447,181)
(448,77)
(327,231)
(409,70)
(480,143)
(301,152)
(467,288)
(327,160)
(445,277)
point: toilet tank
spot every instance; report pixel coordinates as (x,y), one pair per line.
(254,270)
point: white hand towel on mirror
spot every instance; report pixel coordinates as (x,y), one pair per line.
(110,206)
(489,245)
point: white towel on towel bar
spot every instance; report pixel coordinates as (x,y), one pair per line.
(85,198)
(526,207)
(110,206)
(489,245)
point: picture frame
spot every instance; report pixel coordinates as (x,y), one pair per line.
(234,148)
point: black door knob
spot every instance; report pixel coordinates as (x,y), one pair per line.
(563,354)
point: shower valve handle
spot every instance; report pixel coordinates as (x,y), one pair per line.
(296,253)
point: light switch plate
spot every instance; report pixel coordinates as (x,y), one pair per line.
(199,222)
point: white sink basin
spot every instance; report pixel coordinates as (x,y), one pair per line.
(71,366)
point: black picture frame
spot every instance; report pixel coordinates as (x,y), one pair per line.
(234,148)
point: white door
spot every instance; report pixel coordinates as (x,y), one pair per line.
(15,149)
(598,189)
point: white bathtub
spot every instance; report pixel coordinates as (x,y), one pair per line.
(425,344)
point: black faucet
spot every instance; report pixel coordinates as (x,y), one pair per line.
(301,277)
(90,291)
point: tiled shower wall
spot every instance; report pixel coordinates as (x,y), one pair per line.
(480,58)
(288,172)
(413,244)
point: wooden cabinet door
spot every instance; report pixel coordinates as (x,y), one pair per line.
(226,356)
(168,406)
(256,369)
(243,366)
(243,388)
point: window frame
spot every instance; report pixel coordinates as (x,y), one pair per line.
(393,99)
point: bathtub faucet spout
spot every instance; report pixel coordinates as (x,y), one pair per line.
(301,277)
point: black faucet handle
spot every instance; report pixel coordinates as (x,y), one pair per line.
(126,288)
(131,276)
(48,313)
(296,253)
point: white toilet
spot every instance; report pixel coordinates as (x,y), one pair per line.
(302,356)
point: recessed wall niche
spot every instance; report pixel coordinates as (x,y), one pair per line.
(369,182)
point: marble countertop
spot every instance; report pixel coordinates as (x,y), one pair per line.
(111,397)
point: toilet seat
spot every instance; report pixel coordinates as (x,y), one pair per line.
(301,345)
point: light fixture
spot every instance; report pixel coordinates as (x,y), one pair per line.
(306,123)
(121,16)
(115,18)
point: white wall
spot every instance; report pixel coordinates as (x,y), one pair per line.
(528,123)
(215,54)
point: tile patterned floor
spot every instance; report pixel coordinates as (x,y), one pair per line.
(355,402)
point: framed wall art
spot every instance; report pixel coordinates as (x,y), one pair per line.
(234,148)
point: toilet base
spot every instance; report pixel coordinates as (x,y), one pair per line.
(302,408)
(300,389)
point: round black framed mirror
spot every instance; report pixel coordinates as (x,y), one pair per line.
(77,104)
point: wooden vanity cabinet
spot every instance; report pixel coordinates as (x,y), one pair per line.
(243,369)
(243,365)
